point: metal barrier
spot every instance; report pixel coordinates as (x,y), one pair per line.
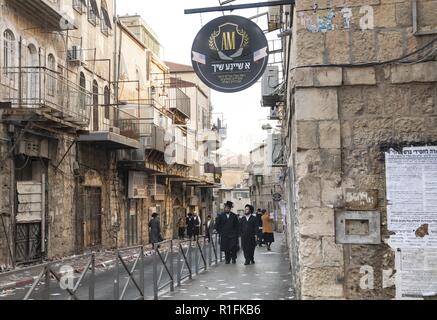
(139,287)
(167,266)
(192,257)
(186,263)
(48,271)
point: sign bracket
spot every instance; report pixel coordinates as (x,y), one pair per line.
(240,6)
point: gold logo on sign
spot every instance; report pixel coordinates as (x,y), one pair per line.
(229,41)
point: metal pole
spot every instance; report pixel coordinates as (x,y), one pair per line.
(155,276)
(117,278)
(196,257)
(142,284)
(47,283)
(171,267)
(209,249)
(43,214)
(191,260)
(92,277)
(178,266)
(240,6)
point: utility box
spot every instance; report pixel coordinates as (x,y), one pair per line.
(358,227)
(270,82)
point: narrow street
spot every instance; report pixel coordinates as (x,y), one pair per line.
(268,279)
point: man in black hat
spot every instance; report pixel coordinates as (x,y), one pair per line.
(248,231)
(227,226)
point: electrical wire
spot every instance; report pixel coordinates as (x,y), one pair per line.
(375,63)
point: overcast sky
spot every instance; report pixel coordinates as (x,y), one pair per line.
(176,31)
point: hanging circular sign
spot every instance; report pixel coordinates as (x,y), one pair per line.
(230,54)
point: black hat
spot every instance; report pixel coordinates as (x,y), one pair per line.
(229,204)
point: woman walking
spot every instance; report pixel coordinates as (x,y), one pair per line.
(269,236)
(182,225)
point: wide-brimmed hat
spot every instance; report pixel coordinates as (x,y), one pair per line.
(229,204)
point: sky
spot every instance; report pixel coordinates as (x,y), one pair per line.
(176,31)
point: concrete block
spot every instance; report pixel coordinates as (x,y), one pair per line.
(309,193)
(316,104)
(315,222)
(359,76)
(421,72)
(390,45)
(307,137)
(329,133)
(322,282)
(332,253)
(328,77)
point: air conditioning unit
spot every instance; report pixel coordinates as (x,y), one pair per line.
(75,54)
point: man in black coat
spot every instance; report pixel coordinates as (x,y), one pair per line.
(248,232)
(191,226)
(227,225)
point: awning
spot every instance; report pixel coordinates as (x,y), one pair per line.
(106,18)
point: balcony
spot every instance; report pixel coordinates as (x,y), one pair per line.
(119,129)
(47,13)
(41,95)
(179,103)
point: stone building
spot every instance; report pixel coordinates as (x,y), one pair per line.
(361,78)
(92,137)
(264,182)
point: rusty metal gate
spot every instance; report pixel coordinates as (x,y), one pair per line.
(28,242)
(92,205)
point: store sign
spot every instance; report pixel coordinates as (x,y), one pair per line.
(230,54)
(137,185)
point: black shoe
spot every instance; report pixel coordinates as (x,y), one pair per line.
(234,261)
(247,263)
(253,262)
(228,262)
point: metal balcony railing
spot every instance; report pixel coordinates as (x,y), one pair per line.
(178,101)
(41,88)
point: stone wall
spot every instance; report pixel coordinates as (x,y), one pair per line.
(343,118)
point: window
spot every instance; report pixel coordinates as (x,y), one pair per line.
(82,84)
(79,6)
(8,53)
(107,97)
(105,20)
(95,106)
(93,12)
(51,74)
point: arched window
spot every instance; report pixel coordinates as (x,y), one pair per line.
(51,74)
(82,84)
(107,97)
(95,106)
(8,53)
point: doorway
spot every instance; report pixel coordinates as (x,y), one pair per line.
(92,206)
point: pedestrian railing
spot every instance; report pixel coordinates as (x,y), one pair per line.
(184,261)
(122,261)
(163,258)
(62,274)
(62,280)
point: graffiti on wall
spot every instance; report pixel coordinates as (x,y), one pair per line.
(324,22)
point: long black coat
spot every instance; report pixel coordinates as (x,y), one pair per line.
(228,228)
(248,231)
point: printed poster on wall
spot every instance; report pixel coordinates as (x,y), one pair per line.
(411,179)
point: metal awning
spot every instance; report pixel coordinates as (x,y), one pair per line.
(110,140)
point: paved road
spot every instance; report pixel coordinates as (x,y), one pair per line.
(268,279)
